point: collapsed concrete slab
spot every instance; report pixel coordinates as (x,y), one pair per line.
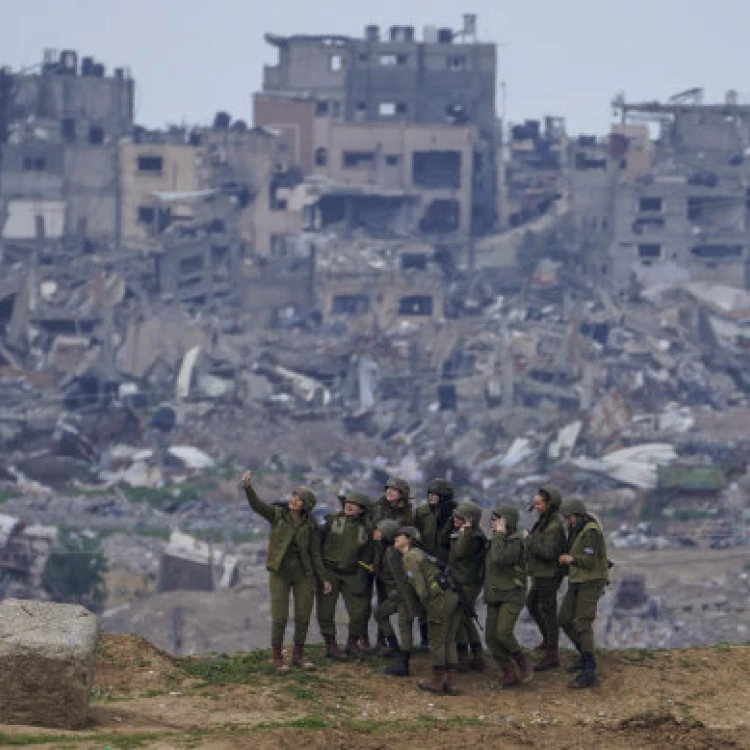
(47,663)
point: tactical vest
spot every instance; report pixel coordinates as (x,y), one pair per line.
(346,542)
(600,570)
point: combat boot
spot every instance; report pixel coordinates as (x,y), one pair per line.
(424,639)
(577,664)
(352,649)
(525,667)
(587,676)
(435,683)
(298,658)
(332,648)
(550,660)
(277,658)
(477,658)
(463,658)
(400,668)
(449,680)
(391,650)
(509,676)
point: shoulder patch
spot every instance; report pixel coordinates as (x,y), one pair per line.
(588,551)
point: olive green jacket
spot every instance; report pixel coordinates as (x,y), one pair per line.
(346,541)
(505,574)
(467,556)
(389,568)
(285,533)
(422,573)
(544,545)
(403,513)
(434,541)
(589,551)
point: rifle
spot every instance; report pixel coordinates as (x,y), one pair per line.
(450,583)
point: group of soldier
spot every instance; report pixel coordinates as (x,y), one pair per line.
(429,567)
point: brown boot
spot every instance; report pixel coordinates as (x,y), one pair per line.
(550,660)
(352,649)
(277,658)
(435,683)
(509,676)
(298,658)
(525,667)
(477,658)
(449,681)
(463,658)
(332,648)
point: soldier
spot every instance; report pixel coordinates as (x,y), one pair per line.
(400,599)
(434,520)
(394,504)
(468,546)
(544,544)
(505,595)
(294,564)
(440,601)
(588,574)
(347,553)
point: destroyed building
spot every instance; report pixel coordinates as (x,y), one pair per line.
(322,87)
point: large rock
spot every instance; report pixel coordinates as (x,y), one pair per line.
(46,663)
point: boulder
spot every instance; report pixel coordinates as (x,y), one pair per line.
(46,663)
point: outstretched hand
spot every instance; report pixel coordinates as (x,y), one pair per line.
(247,479)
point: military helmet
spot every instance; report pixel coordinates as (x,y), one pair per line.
(307,496)
(573,506)
(388,528)
(469,511)
(359,498)
(397,483)
(509,513)
(411,531)
(442,488)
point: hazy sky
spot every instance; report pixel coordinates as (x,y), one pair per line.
(567,57)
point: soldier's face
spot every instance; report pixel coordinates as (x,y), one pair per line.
(540,504)
(571,521)
(296,503)
(351,510)
(401,543)
(458,522)
(433,499)
(377,535)
(392,495)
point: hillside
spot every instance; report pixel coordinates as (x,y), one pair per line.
(691,699)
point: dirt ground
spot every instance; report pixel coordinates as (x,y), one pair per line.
(691,699)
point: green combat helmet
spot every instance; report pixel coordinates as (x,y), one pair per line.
(307,496)
(509,513)
(442,488)
(388,528)
(360,499)
(397,483)
(573,506)
(469,511)
(410,531)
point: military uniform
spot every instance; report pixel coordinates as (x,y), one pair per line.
(295,566)
(588,575)
(443,616)
(346,547)
(435,522)
(505,595)
(466,561)
(544,545)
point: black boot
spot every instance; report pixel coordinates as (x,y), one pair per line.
(587,676)
(577,664)
(424,640)
(391,650)
(400,668)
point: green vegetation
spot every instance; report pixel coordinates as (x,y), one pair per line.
(75,571)
(6,495)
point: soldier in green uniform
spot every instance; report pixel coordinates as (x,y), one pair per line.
(400,600)
(468,546)
(347,552)
(443,612)
(505,595)
(544,544)
(588,575)
(394,504)
(434,520)
(294,564)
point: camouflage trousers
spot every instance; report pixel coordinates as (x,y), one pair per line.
(354,588)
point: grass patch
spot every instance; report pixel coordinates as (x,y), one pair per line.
(723,646)
(312,722)
(299,692)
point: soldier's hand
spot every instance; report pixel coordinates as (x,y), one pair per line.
(565,559)
(247,479)
(326,587)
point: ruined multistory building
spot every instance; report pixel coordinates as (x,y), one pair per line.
(368,104)
(61,160)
